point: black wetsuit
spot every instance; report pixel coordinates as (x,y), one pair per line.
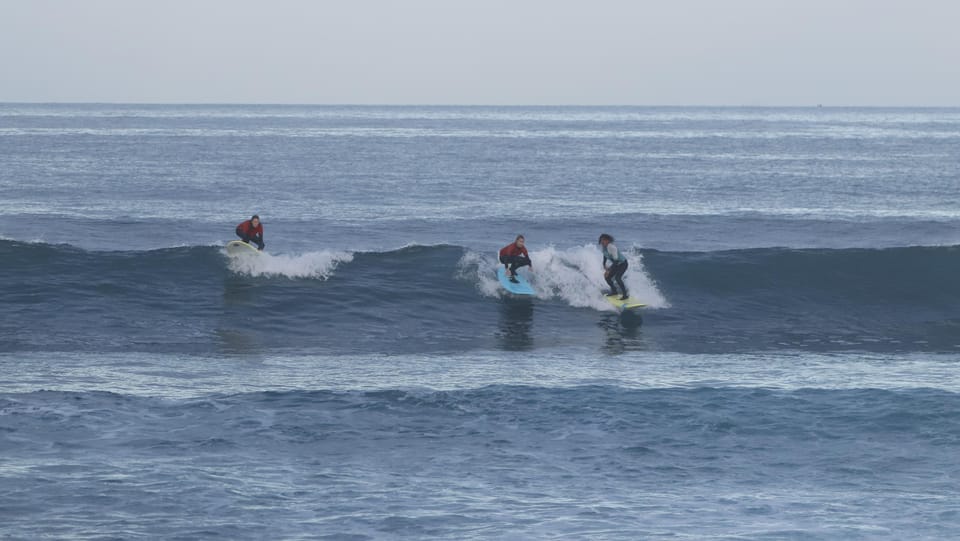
(616,270)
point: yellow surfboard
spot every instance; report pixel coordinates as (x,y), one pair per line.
(628,304)
(238,247)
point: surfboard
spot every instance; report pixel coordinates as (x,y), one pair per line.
(238,247)
(628,304)
(521,288)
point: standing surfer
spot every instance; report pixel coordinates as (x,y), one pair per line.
(618,266)
(251,231)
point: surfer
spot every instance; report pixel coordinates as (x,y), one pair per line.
(251,231)
(618,266)
(513,256)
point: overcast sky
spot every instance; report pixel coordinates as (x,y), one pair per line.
(591,52)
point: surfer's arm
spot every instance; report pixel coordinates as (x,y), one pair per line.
(614,253)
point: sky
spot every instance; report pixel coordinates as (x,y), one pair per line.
(489,52)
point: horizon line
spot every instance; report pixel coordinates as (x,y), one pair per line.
(511,105)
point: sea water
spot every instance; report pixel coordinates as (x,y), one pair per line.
(794,376)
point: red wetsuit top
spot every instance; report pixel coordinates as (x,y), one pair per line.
(512,250)
(248,229)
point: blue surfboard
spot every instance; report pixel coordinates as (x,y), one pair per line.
(521,288)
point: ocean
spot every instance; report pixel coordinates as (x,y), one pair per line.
(795,374)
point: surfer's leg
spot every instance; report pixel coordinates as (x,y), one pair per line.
(623,288)
(510,267)
(514,262)
(618,274)
(505,259)
(519,261)
(609,278)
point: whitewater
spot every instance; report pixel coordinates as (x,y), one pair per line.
(794,375)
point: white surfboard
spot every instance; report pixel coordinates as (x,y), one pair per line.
(239,248)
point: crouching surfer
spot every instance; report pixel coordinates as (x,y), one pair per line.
(251,231)
(513,256)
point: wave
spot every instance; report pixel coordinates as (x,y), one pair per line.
(911,275)
(319,264)
(37,255)
(573,275)
(445,298)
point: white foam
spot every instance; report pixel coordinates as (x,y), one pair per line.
(481,268)
(308,265)
(574,275)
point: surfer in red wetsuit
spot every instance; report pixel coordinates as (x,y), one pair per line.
(251,231)
(513,256)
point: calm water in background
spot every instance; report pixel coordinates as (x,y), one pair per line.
(794,376)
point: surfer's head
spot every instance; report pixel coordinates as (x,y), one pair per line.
(519,241)
(255,220)
(605,239)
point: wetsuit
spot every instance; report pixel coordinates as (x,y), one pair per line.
(248,233)
(616,270)
(514,257)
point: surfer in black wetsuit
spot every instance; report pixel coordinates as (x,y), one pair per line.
(251,231)
(618,266)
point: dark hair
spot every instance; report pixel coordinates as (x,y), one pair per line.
(519,237)
(255,217)
(604,236)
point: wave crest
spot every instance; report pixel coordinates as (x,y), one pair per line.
(308,265)
(574,275)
